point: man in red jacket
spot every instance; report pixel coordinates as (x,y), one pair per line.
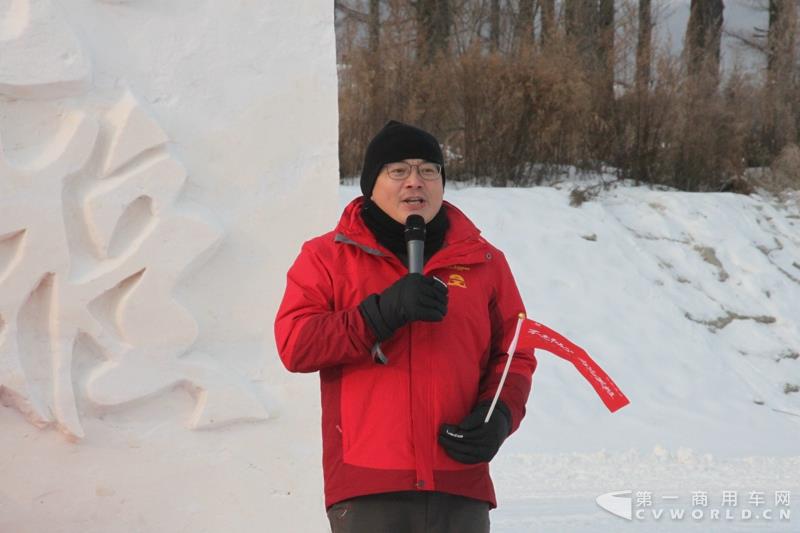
(405,446)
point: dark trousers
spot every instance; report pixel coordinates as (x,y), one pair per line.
(410,512)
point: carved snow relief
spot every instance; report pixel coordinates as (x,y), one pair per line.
(40,57)
(92,244)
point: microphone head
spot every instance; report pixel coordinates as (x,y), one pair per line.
(415,228)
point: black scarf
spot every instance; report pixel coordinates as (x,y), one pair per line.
(390,233)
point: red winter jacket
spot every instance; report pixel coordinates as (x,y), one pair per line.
(380,422)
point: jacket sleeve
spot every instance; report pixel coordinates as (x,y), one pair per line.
(504,309)
(309,332)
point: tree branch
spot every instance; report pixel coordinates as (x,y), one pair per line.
(350,12)
(747,41)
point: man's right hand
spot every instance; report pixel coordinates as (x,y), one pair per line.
(412,297)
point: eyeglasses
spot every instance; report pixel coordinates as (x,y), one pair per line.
(401,170)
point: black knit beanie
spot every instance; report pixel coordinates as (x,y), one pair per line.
(395,142)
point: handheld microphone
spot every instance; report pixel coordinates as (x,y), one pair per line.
(415,243)
(415,246)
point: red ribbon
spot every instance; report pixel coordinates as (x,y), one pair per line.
(534,335)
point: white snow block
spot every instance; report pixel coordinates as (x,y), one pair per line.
(160,165)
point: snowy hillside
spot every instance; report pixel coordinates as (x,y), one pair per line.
(691,303)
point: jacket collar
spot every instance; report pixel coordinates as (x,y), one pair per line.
(462,242)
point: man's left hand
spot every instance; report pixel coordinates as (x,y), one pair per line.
(472,441)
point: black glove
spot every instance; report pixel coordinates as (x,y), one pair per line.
(412,297)
(472,441)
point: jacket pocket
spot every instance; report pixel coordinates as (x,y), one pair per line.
(376,424)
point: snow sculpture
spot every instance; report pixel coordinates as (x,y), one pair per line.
(92,244)
(39,56)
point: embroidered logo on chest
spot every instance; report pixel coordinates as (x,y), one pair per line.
(457,280)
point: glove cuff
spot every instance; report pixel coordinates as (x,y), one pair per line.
(371,311)
(499,408)
(503,408)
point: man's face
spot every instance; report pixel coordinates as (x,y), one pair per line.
(410,196)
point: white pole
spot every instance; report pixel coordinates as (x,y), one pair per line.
(511,350)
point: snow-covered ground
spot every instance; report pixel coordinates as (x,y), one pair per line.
(691,303)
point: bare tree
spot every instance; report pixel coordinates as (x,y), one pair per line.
(507,117)
(641,161)
(348,22)
(702,104)
(548,9)
(644,46)
(494,26)
(781,69)
(781,39)
(580,21)
(433,28)
(524,25)
(604,36)
(703,35)
(376,114)
(374,23)
(777,43)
